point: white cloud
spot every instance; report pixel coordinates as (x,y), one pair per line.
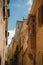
(29,9)
(29,4)
(11,34)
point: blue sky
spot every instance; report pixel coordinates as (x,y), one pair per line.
(18,10)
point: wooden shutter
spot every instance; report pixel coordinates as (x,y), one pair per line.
(42,59)
(4,12)
(33,43)
(33,34)
(40,15)
(8,1)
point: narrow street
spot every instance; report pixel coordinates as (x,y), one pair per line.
(21,32)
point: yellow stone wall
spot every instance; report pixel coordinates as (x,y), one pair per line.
(39,46)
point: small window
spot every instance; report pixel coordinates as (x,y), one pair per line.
(33,37)
(4,12)
(34,61)
(40,15)
(3,2)
(33,30)
(6,63)
(6,42)
(33,19)
(8,33)
(5,33)
(8,1)
(30,56)
(42,59)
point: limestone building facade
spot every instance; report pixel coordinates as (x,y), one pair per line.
(4,14)
(37,11)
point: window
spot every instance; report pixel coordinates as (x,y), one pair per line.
(6,63)
(30,56)
(34,61)
(33,26)
(42,59)
(3,2)
(8,33)
(40,15)
(17,48)
(33,37)
(33,30)
(33,19)
(4,12)
(6,42)
(8,1)
(5,33)
(33,43)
